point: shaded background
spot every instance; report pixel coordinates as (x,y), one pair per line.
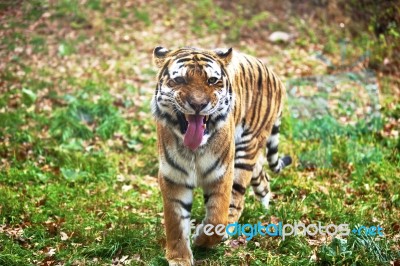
(78,144)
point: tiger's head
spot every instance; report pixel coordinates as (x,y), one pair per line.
(193,95)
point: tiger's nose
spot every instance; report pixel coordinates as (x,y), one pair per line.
(197,105)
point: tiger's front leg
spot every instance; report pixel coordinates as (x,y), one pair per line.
(177,201)
(217,199)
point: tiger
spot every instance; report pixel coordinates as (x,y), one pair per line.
(218,114)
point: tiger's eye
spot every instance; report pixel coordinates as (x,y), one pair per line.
(212,80)
(179,80)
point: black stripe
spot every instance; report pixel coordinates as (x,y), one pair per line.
(185,216)
(260,173)
(242,84)
(257,177)
(266,69)
(272,151)
(243,71)
(243,142)
(239,188)
(206,198)
(269,142)
(219,177)
(267,112)
(273,76)
(251,72)
(243,166)
(258,101)
(207,60)
(260,194)
(259,82)
(155,92)
(244,156)
(211,168)
(169,180)
(255,183)
(207,56)
(186,206)
(223,72)
(275,130)
(248,61)
(246,133)
(248,155)
(221,117)
(273,165)
(217,162)
(251,78)
(171,162)
(245,146)
(259,107)
(233,206)
(229,89)
(211,136)
(182,122)
(164,70)
(165,116)
(183,60)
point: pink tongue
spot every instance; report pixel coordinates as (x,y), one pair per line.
(195,131)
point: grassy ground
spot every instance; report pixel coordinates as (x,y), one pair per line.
(77,142)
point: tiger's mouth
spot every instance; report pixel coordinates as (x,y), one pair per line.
(194,127)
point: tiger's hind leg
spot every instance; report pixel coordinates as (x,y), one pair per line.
(240,183)
(260,182)
(260,179)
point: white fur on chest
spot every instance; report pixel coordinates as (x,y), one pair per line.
(194,168)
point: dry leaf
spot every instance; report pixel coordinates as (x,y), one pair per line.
(64,236)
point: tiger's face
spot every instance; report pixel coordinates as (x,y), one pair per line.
(193,95)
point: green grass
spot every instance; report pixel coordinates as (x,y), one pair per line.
(78,155)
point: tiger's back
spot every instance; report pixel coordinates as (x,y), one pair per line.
(259,102)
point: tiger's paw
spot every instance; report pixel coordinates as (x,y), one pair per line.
(180,262)
(200,239)
(265,200)
(180,255)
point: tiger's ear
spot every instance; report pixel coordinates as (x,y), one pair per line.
(224,54)
(159,55)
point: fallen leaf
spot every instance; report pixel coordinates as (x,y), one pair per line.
(51,252)
(64,236)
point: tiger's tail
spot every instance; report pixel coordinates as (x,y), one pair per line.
(276,163)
